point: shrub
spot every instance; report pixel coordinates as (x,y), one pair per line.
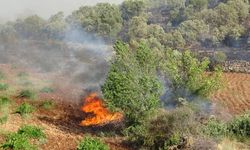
(17,141)
(3,86)
(166,129)
(90,143)
(27,94)
(47,104)
(215,129)
(31,132)
(47,90)
(25,109)
(240,126)
(132,86)
(4,101)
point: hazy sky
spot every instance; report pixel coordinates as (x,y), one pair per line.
(11,9)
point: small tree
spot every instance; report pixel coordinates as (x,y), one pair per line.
(186,73)
(132,85)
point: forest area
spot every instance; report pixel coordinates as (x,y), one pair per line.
(142,74)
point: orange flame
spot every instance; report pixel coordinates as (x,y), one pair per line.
(93,104)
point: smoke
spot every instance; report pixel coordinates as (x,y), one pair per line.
(13,9)
(80,57)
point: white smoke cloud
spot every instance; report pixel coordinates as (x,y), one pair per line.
(12,9)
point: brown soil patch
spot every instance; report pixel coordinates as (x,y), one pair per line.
(235,95)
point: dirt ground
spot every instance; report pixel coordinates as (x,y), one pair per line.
(235,95)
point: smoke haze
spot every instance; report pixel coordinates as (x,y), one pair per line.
(12,9)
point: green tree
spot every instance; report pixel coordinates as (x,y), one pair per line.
(103,19)
(131,8)
(31,27)
(132,85)
(186,73)
(56,26)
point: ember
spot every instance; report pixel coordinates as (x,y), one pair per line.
(93,104)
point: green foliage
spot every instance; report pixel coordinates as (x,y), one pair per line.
(199,4)
(4,106)
(90,143)
(4,101)
(48,104)
(132,86)
(240,126)
(131,8)
(25,109)
(166,129)
(188,73)
(3,86)
(17,141)
(103,19)
(215,129)
(21,139)
(27,94)
(47,90)
(193,30)
(31,132)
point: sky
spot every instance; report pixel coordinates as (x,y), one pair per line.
(12,9)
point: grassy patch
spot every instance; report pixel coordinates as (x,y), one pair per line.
(4,101)
(90,143)
(47,90)
(17,141)
(22,139)
(3,86)
(32,132)
(4,109)
(48,104)
(27,94)
(25,109)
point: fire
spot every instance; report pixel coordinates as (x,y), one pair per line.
(93,104)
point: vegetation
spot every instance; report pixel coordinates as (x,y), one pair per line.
(22,139)
(155,65)
(240,126)
(132,86)
(166,129)
(31,132)
(92,143)
(17,141)
(47,90)
(27,94)
(4,108)
(3,86)
(25,109)
(48,104)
